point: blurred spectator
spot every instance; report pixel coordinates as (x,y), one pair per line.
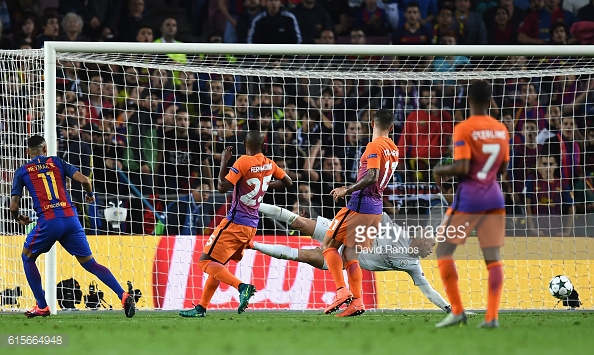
(391,9)
(559,35)
(144,34)
(285,146)
(76,152)
(449,63)
(312,19)
(181,156)
(50,28)
(242,105)
(353,150)
(526,150)
(527,107)
(566,150)
(168,33)
(444,24)
(227,135)
(425,136)
(305,209)
(588,157)
(326,37)
(107,160)
(586,13)
(470,23)
(72,25)
(251,8)
(536,26)
(515,16)
(26,33)
(186,95)
(553,124)
(69,78)
(191,213)
(308,134)
(371,19)
(574,6)
(340,15)
(97,100)
(212,100)
(412,31)
(427,10)
(132,21)
(274,26)
(503,30)
(583,193)
(99,16)
(547,199)
(230,10)
(329,175)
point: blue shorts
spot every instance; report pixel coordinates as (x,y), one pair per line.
(67,231)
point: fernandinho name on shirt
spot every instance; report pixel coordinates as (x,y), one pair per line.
(257,169)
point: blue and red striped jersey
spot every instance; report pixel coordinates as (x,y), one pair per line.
(45,179)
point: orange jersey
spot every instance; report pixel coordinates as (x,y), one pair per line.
(485,142)
(382,154)
(251,176)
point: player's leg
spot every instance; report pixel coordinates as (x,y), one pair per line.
(491,235)
(40,240)
(446,247)
(355,277)
(74,240)
(304,225)
(312,257)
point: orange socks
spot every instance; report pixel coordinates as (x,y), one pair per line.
(495,287)
(449,276)
(355,277)
(219,272)
(210,287)
(334,262)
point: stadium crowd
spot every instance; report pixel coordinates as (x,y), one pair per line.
(160,133)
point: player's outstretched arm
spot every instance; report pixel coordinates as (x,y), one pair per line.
(434,296)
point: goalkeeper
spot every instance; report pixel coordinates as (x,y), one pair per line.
(391,250)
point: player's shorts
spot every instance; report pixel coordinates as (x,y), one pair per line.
(489,226)
(228,241)
(351,228)
(67,231)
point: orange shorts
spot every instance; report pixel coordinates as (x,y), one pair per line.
(353,228)
(228,241)
(489,226)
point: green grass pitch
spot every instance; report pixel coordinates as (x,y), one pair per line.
(255,332)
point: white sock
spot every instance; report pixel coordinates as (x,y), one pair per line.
(277,251)
(278,213)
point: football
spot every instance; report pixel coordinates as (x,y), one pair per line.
(560,287)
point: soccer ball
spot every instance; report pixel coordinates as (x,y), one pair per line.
(560,287)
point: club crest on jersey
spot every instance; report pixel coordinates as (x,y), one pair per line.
(233,169)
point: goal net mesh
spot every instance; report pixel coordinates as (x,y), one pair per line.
(149,131)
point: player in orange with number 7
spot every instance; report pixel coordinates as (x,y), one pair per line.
(352,228)
(251,175)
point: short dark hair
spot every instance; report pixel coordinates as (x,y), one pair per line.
(413,4)
(254,140)
(480,92)
(384,119)
(35,141)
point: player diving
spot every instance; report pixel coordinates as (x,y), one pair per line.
(393,249)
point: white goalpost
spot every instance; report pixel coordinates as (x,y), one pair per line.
(150,126)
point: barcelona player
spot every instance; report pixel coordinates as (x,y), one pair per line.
(364,210)
(481,151)
(249,177)
(57,221)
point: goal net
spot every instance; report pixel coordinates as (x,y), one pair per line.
(149,130)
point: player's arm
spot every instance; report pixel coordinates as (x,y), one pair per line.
(15,202)
(15,199)
(286,181)
(280,183)
(224,185)
(462,156)
(369,179)
(86,184)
